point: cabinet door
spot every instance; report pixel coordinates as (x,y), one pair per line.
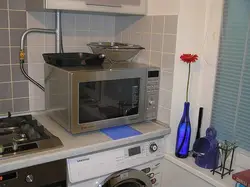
(131,2)
(113,2)
(136,7)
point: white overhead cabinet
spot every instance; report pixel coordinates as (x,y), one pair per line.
(111,6)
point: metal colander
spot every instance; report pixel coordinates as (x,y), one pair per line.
(115,52)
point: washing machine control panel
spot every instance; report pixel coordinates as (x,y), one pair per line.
(147,149)
(102,163)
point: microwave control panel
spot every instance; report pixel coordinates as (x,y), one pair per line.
(153,87)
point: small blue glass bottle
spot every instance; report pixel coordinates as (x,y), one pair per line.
(183,134)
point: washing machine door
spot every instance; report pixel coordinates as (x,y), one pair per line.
(128,178)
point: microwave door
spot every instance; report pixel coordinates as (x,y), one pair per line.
(89,113)
(108,99)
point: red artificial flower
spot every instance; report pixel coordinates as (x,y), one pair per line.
(189,58)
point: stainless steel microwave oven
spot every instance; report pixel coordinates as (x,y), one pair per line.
(88,98)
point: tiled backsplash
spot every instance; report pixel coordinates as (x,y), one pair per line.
(78,30)
(14,90)
(158,35)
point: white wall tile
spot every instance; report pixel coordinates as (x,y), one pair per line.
(155,58)
(133,23)
(96,22)
(120,24)
(136,38)
(96,36)
(118,37)
(165,99)
(37,103)
(77,49)
(50,18)
(36,39)
(148,31)
(82,38)
(35,54)
(166,81)
(85,49)
(158,24)
(36,92)
(37,97)
(126,36)
(168,61)
(82,22)
(145,40)
(156,42)
(142,57)
(36,71)
(144,24)
(107,37)
(50,40)
(163,115)
(109,24)
(35,19)
(50,49)
(68,21)
(169,43)
(171,24)
(69,38)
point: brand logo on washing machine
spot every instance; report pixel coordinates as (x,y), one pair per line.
(82,160)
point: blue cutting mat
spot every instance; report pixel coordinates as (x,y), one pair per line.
(120,132)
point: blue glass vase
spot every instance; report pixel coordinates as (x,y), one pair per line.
(183,134)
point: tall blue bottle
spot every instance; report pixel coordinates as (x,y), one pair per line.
(183,134)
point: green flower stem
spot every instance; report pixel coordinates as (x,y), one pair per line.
(188,81)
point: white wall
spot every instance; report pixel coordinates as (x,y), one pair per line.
(163,7)
(198,32)
(199,26)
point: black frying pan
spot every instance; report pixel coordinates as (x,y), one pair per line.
(73,59)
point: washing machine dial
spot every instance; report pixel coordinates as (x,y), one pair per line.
(153,147)
(153,181)
(29,178)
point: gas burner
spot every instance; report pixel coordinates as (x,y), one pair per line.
(3,132)
(10,122)
(8,130)
(22,134)
(20,138)
(11,128)
(5,124)
(14,129)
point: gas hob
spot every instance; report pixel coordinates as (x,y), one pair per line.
(24,134)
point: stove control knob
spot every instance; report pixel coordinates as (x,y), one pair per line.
(29,178)
(15,146)
(153,147)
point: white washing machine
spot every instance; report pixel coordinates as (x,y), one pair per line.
(136,165)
